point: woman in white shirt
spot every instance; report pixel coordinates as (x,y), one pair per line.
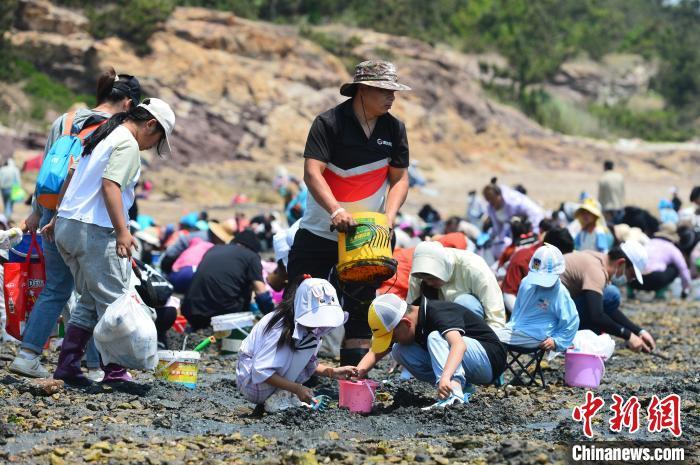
(91,228)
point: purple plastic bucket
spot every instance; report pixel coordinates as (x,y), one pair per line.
(583,370)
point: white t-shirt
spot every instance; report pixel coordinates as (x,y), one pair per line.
(115,158)
(282,242)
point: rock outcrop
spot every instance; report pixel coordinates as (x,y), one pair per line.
(246,90)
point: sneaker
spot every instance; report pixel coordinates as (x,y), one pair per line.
(95,374)
(469,391)
(282,400)
(29,367)
(452,400)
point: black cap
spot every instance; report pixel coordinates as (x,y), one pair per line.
(129,86)
(248,239)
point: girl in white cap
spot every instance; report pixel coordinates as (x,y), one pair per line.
(279,354)
(91,226)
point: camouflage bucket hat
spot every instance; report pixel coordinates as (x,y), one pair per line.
(372,73)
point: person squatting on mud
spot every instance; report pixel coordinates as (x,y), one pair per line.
(279,354)
(593,278)
(356,159)
(458,276)
(438,342)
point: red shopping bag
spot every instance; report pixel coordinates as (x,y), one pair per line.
(23,284)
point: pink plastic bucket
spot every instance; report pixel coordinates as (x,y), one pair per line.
(358,396)
(583,370)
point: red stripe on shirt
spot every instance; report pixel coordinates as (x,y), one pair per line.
(358,187)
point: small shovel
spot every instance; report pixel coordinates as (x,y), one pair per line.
(660,355)
(320,403)
(204,344)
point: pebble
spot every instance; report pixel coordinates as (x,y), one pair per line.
(56,460)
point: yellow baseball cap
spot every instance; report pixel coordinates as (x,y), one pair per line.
(383,317)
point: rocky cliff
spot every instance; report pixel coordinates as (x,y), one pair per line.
(246,92)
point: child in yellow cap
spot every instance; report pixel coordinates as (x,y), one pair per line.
(438,342)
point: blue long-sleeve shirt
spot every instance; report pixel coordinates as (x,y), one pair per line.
(542,312)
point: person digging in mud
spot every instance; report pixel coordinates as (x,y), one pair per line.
(665,264)
(438,342)
(356,159)
(503,204)
(458,276)
(279,354)
(588,276)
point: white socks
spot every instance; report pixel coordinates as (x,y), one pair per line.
(457,389)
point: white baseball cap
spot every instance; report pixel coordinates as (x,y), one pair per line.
(316,305)
(162,112)
(546,265)
(637,254)
(383,317)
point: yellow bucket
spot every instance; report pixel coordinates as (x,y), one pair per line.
(364,255)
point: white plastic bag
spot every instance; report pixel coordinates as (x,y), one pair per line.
(126,334)
(588,342)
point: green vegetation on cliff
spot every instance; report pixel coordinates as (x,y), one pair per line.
(535,36)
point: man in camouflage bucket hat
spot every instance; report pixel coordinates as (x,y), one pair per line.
(380,74)
(356,159)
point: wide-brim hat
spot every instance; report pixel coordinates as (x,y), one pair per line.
(590,207)
(316,305)
(221,230)
(623,232)
(668,231)
(374,73)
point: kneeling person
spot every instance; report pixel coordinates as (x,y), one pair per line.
(280,352)
(438,342)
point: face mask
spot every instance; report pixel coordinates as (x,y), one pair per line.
(320,332)
(620,280)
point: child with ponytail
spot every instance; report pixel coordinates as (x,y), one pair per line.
(91,227)
(115,93)
(279,354)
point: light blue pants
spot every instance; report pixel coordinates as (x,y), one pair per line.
(515,337)
(53,298)
(472,303)
(427,365)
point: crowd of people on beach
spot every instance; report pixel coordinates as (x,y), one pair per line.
(507,273)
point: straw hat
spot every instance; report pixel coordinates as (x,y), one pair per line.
(623,232)
(222,231)
(668,231)
(373,73)
(591,206)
